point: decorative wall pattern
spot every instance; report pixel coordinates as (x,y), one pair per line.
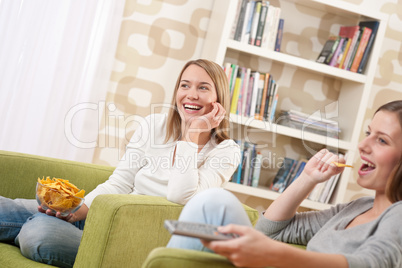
(158,37)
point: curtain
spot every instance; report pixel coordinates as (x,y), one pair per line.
(55,63)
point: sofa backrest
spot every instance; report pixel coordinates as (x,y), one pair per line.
(19,173)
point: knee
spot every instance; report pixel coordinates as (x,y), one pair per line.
(213,199)
(44,239)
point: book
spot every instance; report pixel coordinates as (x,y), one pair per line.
(335,59)
(254,23)
(352,33)
(265,115)
(256,77)
(366,32)
(274,30)
(282,174)
(261,23)
(373,25)
(279,36)
(236,92)
(274,103)
(241,90)
(257,170)
(248,21)
(237,17)
(268,25)
(261,80)
(328,49)
(240,21)
(260,115)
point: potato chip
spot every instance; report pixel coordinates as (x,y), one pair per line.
(58,194)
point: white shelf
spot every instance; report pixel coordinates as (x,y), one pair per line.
(289,132)
(296,62)
(265,193)
(352,89)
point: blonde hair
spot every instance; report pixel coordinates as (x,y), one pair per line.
(218,76)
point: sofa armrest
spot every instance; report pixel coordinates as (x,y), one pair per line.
(183,258)
(121,230)
(163,257)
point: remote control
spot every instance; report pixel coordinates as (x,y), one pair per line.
(197,230)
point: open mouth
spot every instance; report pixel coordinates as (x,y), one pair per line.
(192,107)
(367,166)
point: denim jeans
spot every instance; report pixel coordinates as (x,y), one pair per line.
(41,238)
(213,206)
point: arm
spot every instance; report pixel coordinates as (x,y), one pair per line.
(188,177)
(123,178)
(318,169)
(254,249)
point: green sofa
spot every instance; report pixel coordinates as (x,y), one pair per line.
(120,231)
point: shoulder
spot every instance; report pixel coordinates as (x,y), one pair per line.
(228,144)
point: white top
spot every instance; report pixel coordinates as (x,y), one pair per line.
(146,168)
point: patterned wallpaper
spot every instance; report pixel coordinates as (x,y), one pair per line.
(158,37)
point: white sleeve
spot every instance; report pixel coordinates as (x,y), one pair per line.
(187,179)
(122,180)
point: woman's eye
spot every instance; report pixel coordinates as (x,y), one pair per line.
(382,140)
(204,88)
(184,85)
(367,133)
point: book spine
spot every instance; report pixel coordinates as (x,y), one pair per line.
(279,35)
(257,170)
(367,51)
(240,21)
(261,24)
(360,50)
(254,25)
(236,92)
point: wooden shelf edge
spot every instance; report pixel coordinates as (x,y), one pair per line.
(270,195)
(290,132)
(309,65)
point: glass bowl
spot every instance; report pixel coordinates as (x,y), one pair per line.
(49,198)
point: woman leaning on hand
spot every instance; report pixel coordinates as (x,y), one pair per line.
(176,156)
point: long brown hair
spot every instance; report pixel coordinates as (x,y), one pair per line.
(218,76)
(394,186)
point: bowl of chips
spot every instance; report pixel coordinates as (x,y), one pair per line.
(59,195)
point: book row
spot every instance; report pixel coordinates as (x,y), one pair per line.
(350,49)
(248,171)
(258,23)
(253,94)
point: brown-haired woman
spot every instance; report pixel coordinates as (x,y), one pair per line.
(365,232)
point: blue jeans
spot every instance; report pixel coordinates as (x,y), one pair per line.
(213,206)
(41,238)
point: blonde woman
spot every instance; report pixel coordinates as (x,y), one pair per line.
(176,155)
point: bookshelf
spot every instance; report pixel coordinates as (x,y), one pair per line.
(352,90)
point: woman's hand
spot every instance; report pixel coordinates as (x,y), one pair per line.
(320,167)
(209,121)
(205,123)
(251,249)
(80,214)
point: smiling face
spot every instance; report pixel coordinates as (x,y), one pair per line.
(196,93)
(380,151)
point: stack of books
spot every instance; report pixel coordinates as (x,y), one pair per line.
(253,94)
(248,171)
(258,23)
(288,172)
(350,49)
(311,123)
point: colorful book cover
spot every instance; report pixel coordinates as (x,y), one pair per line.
(328,49)
(360,50)
(373,25)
